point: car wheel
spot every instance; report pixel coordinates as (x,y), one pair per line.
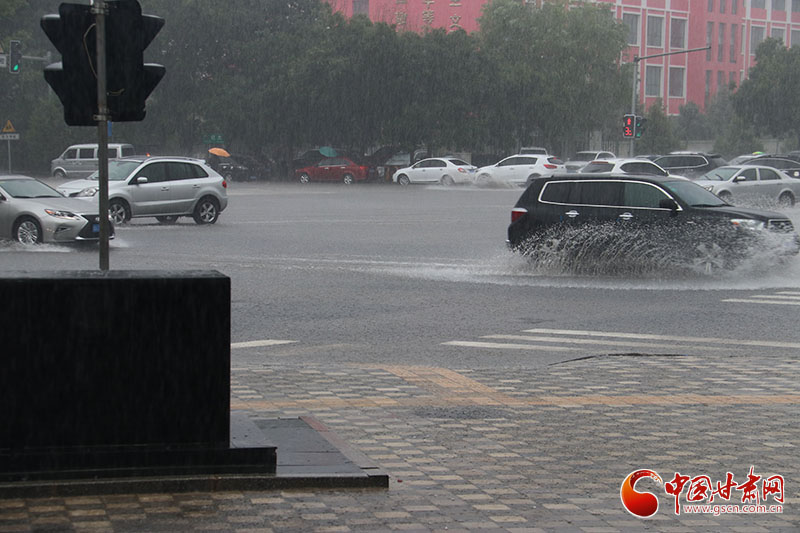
(27,231)
(206,211)
(304,178)
(482,179)
(786,200)
(348,179)
(447,181)
(708,259)
(119,212)
(168,219)
(403,180)
(59,174)
(726,197)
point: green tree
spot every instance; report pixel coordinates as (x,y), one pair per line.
(660,136)
(769,98)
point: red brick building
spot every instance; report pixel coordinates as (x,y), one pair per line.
(733,29)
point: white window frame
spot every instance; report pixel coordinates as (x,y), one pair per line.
(660,26)
(647,77)
(684,37)
(682,83)
(637,27)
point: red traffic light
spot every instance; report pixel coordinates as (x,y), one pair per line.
(628,126)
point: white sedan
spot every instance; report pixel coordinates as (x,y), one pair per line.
(441,170)
(518,169)
(751,183)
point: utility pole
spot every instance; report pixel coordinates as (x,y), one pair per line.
(636,60)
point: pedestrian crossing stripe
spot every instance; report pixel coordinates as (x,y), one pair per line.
(544,339)
(258,344)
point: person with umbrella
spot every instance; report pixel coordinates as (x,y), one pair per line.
(214,158)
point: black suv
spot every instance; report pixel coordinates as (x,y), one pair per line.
(689,164)
(642,210)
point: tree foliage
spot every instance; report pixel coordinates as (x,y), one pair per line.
(275,76)
(769,98)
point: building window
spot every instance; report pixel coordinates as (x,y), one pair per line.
(722,6)
(795,6)
(759,4)
(756,36)
(361,7)
(710,6)
(708,86)
(779,5)
(720,80)
(655,32)
(677,33)
(734,33)
(632,22)
(721,42)
(732,79)
(676,76)
(652,81)
(795,37)
(709,37)
(778,33)
(734,6)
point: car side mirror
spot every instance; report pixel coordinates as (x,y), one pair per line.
(668,203)
(737,179)
(141,180)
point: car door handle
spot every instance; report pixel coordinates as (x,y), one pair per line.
(626,216)
(572,214)
(164,188)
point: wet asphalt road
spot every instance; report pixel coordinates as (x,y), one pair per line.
(376,273)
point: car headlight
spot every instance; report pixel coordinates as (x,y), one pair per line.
(709,188)
(62,214)
(89,191)
(748,223)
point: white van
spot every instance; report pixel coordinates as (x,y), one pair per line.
(80,160)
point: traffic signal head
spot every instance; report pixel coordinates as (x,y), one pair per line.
(628,125)
(641,123)
(14,56)
(128,80)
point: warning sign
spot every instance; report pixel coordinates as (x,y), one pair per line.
(8,128)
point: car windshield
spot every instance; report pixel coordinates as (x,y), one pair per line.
(584,156)
(719,174)
(693,194)
(28,189)
(117,170)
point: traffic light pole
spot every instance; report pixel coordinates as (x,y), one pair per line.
(636,60)
(102,130)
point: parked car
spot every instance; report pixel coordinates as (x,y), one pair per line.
(788,164)
(162,187)
(580,159)
(690,164)
(744,158)
(518,169)
(641,211)
(32,212)
(240,167)
(80,160)
(333,169)
(441,170)
(625,166)
(752,183)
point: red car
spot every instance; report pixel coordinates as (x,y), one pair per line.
(333,169)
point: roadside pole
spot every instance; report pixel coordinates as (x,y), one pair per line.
(102,130)
(636,60)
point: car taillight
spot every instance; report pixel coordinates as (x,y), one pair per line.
(224,184)
(517,213)
(549,166)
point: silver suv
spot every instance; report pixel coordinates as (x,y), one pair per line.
(162,187)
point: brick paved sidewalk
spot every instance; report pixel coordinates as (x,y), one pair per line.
(494,449)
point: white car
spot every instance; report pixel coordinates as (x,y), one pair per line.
(162,187)
(441,170)
(751,183)
(518,169)
(626,166)
(581,159)
(32,212)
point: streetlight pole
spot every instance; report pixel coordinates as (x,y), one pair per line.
(636,60)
